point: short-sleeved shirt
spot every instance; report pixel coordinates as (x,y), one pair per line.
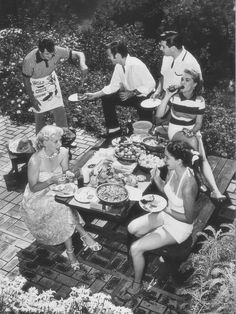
(173,69)
(193,106)
(34,66)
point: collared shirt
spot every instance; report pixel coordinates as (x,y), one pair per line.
(134,75)
(173,69)
(36,67)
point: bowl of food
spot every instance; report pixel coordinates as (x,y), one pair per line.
(148,161)
(153,145)
(141,127)
(128,153)
(112,194)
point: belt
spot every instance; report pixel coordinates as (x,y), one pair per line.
(182,122)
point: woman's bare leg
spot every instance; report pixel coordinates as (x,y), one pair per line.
(153,240)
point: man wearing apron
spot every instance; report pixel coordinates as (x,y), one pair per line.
(41,81)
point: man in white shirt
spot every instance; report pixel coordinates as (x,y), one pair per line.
(130,84)
(175,60)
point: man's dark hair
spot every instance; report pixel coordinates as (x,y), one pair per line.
(118,47)
(47,44)
(172,38)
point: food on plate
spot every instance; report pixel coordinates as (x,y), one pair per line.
(112,193)
(118,140)
(129,152)
(131,180)
(150,161)
(137,138)
(141,178)
(64,189)
(151,141)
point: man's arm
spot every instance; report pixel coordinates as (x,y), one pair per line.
(159,88)
(80,55)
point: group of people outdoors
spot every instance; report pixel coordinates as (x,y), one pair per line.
(131,83)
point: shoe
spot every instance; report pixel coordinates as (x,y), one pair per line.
(221,198)
(111,135)
(73,145)
(94,247)
(74,265)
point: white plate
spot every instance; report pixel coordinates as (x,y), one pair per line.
(77,97)
(137,138)
(150,103)
(157,205)
(86,194)
(64,190)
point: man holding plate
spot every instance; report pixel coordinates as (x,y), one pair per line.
(41,82)
(130,84)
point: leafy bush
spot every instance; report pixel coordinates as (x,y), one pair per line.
(13,299)
(219,126)
(211,288)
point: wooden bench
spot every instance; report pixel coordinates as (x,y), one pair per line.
(223,170)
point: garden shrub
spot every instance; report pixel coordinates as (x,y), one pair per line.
(13,299)
(219,120)
(211,288)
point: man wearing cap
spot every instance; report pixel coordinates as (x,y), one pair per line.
(41,82)
(130,84)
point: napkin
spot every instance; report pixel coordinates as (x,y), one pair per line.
(135,194)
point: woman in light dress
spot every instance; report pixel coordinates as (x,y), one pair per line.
(50,222)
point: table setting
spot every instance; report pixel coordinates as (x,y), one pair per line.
(115,176)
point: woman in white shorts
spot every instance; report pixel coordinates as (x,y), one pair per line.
(175,223)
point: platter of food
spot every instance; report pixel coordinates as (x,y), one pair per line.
(153,203)
(112,193)
(86,194)
(137,138)
(64,190)
(152,144)
(129,152)
(149,161)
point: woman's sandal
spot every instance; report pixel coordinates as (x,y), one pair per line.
(219,199)
(75,265)
(94,247)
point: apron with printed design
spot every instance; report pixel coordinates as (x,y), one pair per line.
(47,91)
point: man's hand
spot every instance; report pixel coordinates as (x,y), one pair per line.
(90,96)
(36,105)
(124,95)
(157,93)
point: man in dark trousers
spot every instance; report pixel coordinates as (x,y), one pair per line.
(130,84)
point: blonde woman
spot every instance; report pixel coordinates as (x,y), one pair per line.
(49,222)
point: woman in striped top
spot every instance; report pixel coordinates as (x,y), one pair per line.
(187,109)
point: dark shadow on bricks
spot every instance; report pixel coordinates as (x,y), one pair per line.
(16,181)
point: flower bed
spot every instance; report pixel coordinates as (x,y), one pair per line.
(14,300)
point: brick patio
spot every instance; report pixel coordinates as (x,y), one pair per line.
(44,267)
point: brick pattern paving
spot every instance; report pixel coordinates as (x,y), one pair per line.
(47,267)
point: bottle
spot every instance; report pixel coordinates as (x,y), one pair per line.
(129,126)
(174,88)
(86,175)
